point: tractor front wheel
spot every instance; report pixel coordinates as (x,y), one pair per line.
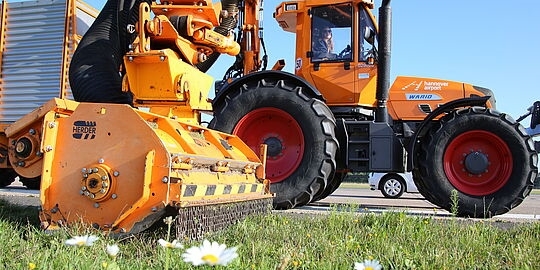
(477,162)
(299,131)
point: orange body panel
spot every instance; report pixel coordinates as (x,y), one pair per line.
(411,98)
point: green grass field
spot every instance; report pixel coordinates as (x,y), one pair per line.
(287,241)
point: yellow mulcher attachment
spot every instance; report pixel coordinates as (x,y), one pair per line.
(120,168)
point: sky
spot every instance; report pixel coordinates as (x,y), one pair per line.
(493,44)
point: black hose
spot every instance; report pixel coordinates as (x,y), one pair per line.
(94,73)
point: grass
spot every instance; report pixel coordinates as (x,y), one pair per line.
(288,241)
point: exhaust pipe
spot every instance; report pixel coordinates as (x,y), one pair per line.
(383,71)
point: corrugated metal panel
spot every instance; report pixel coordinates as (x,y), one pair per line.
(33,52)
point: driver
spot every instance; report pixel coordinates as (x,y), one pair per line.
(324,45)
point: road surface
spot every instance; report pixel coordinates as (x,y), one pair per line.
(366,199)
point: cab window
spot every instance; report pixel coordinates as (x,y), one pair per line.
(368,37)
(331,30)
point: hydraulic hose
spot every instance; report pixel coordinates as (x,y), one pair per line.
(95,69)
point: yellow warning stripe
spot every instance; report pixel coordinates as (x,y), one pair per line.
(220,189)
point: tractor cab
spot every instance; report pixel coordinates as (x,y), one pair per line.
(335,48)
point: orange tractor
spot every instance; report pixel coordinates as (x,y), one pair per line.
(130,148)
(338,113)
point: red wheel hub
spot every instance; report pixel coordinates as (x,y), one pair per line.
(478,163)
(284,137)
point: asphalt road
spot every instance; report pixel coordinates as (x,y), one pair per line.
(366,199)
(373,200)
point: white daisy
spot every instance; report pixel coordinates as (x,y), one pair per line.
(168,220)
(368,265)
(112,250)
(173,244)
(86,240)
(210,253)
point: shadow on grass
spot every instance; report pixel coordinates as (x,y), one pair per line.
(19,215)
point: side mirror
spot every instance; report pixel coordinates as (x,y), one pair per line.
(535,114)
(369,35)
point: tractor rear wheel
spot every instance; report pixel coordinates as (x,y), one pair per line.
(298,129)
(482,154)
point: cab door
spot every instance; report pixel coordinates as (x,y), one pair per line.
(366,66)
(332,70)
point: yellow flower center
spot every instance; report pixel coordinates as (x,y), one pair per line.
(369,268)
(210,258)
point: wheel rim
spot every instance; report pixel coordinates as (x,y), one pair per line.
(478,163)
(284,137)
(392,187)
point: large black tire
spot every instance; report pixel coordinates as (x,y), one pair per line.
(7,176)
(332,185)
(482,154)
(298,129)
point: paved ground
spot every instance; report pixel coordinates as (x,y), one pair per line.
(367,200)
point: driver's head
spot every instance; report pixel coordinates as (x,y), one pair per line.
(326,32)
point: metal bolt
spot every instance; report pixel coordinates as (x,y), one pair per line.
(165,179)
(101,161)
(48,148)
(83,170)
(162,58)
(39,153)
(130,58)
(83,188)
(116,173)
(20,163)
(81,192)
(104,177)
(95,170)
(102,191)
(154,209)
(96,205)
(32,131)
(52,125)
(114,196)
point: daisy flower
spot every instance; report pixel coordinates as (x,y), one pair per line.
(112,250)
(168,220)
(368,265)
(210,253)
(86,240)
(167,244)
